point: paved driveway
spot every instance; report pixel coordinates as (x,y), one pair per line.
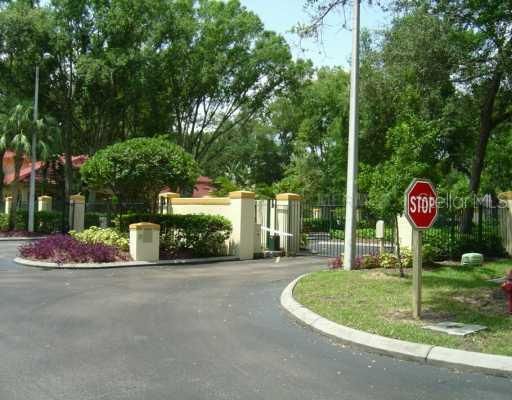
(203,332)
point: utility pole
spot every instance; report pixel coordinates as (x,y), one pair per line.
(32,190)
(351,197)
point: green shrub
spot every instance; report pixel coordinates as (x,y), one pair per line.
(446,246)
(198,235)
(4,222)
(44,221)
(93,219)
(321,224)
(406,257)
(388,260)
(108,236)
(137,169)
(337,234)
(428,254)
(48,221)
(368,262)
(21,222)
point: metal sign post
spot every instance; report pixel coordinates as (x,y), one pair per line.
(421,212)
(416,272)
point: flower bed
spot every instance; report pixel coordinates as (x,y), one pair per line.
(66,249)
(385,260)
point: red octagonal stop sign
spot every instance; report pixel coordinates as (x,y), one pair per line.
(421,204)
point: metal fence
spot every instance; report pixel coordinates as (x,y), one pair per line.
(486,234)
(323,227)
(105,213)
(279,229)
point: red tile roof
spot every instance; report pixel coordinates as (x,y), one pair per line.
(76,161)
(203,187)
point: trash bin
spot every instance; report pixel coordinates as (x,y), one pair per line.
(274,243)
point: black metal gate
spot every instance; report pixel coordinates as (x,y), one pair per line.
(323,229)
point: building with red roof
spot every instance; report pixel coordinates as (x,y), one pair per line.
(204,185)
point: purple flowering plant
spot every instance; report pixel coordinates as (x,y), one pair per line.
(61,249)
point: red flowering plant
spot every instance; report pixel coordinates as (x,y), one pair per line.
(335,263)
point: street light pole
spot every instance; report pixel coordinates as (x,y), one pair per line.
(32,190)
(351,199)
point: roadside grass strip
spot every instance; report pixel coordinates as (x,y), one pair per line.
(379,301)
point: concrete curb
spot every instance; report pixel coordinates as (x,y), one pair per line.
(435,355)
(123,264)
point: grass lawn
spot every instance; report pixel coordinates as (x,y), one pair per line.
(379,301)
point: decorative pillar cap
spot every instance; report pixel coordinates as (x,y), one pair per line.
(77,198)
(45,197)
(288,196)
(242,194)
(169,195)
(144,226)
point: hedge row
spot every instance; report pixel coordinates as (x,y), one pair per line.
(44,221)
(196,235)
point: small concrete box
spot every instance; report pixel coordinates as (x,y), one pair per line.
(379,229)
(472,259)
(44,203)
(145,241)
(8,204)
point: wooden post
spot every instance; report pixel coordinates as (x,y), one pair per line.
(417,264)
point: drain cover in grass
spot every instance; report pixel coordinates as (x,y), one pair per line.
(499,281)
(455,328)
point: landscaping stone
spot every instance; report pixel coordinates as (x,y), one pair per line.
(455,328)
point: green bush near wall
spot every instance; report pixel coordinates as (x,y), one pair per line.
(47,221)
(93,219)
(321,224)
(44,221)
(452,247)
(197,235)
(4,222)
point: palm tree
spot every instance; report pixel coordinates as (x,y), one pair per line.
(16,136)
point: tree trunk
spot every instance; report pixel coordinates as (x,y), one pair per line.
(486,126)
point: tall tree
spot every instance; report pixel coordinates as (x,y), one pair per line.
(215,67)
(487,70)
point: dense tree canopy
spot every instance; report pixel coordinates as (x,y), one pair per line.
(192,70)
(138,169)
(206,75)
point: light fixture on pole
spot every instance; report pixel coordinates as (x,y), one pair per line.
(32,190)
(349,254)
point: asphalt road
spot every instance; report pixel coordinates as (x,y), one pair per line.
(196,332)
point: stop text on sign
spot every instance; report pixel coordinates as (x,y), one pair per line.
(422,203)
